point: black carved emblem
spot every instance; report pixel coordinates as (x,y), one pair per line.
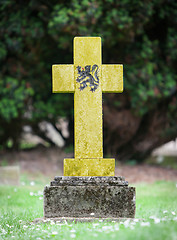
(88,76)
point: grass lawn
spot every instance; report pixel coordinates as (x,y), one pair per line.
(156,205)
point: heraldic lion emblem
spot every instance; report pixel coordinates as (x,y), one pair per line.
(88,76)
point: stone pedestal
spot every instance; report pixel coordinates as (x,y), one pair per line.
(83,197)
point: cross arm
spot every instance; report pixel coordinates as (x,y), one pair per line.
(63,78)
(112,78)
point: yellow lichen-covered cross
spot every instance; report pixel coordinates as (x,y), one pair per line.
(87,78)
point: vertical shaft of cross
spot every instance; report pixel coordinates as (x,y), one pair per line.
(88,123)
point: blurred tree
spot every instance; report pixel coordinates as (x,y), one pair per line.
(34,34)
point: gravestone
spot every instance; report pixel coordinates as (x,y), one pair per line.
(9,175)
(88,188)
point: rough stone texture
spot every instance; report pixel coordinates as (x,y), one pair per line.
(83,197)
(88,78)
(63,78)
(85,181)
(112,78)
(9,175)
(87,104)
(89,167)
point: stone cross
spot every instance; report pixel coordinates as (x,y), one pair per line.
(88,78)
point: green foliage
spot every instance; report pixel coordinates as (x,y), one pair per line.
(34,35)
(14,97)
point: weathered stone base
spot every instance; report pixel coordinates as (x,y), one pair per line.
(88,197)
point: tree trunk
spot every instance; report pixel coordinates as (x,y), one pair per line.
(127,136)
